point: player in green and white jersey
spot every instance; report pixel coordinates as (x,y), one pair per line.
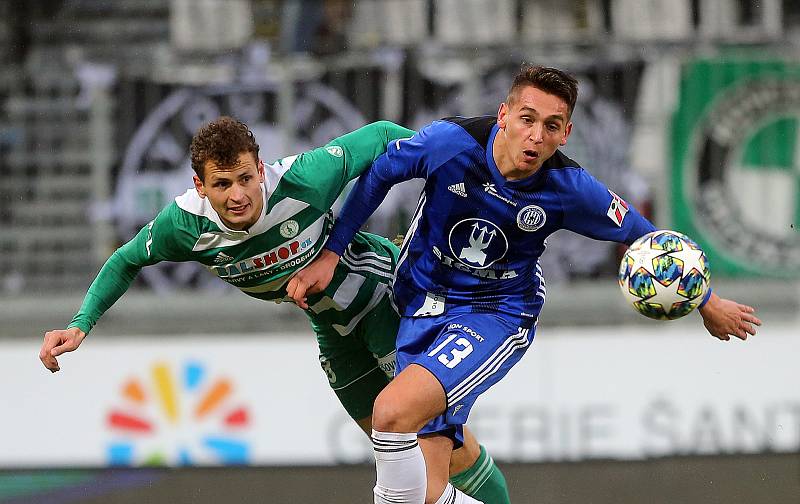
(254,225)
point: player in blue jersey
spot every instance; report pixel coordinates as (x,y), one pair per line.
(468,283)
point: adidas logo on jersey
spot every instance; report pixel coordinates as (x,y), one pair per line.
(222,257)
(458,189)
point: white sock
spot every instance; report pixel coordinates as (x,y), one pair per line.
(453,495)
(400,467)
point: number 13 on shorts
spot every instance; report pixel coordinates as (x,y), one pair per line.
(451,357)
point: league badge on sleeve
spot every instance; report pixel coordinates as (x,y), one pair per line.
(617,209)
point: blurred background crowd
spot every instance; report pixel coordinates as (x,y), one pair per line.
(98,101)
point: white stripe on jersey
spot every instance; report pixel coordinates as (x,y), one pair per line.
(348,289)
(377,296)
(273,173)
(369,268)
(367,254)
(489,366)
(412,228)
(366,260)
(343,297)
(285,208)
(542,292)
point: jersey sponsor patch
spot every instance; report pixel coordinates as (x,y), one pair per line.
(335,151)
(531,218)
(490,188)
(388,363)
(458,189)
(477,243)
(617,209)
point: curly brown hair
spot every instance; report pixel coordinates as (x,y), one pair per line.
(221,141)
(549,80)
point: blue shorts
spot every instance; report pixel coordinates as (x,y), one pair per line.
(467,353)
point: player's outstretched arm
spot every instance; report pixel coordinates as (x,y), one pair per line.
(313,278)
(723,318)
(57,342)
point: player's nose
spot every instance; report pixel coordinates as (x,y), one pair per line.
(237,193)
(536,133)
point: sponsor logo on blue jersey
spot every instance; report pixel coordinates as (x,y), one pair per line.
(477,243)
(491,189)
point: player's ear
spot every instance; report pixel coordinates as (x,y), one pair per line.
(502,115)
(261,170)
(567,131)
(199,187)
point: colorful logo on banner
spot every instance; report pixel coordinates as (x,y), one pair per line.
(736,172)
(178,416)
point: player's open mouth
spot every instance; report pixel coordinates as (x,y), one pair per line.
(530,155)
(239,210)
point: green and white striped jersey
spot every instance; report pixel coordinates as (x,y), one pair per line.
(298,193)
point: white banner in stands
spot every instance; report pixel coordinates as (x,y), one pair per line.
(579,393)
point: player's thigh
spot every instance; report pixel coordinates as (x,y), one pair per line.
(409,401)
(352,372)
(466,352)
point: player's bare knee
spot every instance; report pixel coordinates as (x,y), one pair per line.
(391,415)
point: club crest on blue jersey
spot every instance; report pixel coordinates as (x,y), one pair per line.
(477,243)
(531,218)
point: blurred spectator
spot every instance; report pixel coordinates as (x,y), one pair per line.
(315,26)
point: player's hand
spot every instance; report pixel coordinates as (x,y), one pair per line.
(723,318)
(313,278)
(58,341)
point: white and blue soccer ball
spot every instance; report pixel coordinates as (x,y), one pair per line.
(664,275)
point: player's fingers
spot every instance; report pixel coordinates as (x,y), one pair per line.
(748,328)
(296,288)
(314,288)
(292,285)
(45,355)
(67,346)
(297,291)
(740,333)
(48,360)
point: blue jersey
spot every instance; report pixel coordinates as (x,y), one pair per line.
(475,240)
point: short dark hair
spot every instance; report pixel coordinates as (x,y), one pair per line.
(221,141)
(549,80)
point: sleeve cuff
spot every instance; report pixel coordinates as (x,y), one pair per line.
(706,297)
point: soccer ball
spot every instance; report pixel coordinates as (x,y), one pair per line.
(664,275)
